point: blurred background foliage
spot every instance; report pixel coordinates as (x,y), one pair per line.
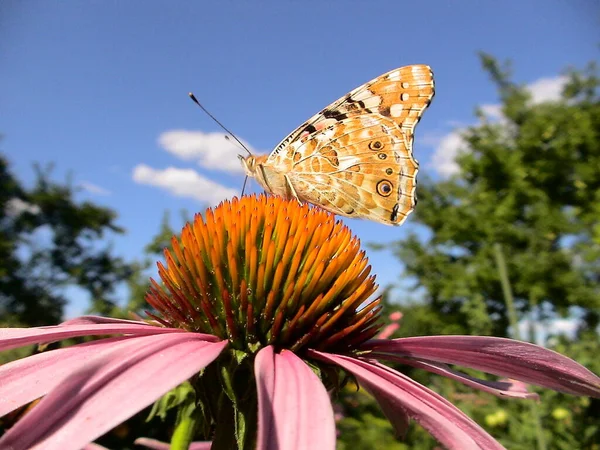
(528,187)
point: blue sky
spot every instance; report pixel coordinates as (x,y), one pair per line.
(100,88)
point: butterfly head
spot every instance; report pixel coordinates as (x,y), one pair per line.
(249,164)
(258,168)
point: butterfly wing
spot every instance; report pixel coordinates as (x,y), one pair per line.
(357,167)
(400,95)
(354,158)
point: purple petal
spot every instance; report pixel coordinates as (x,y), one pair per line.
(18,337)
(110,389)
(396,393)
(503,357)
(153,444)
(294,410)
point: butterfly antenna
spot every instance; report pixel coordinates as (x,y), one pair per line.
(195,100)
(227,138)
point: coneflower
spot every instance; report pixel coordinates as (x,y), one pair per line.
(265,306)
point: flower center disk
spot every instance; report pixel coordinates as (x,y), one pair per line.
(263,270)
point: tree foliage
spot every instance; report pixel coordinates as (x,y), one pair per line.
(49,241)
(531,183)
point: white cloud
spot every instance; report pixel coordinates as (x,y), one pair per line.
(448,146)
(565,326)
(209,150)
(541,90)
(183,183)
(16,206)
(492,111)
(543,330)
(443,159)
(93,188)
(547,89)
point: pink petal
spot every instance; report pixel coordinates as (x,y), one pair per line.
(92,446)
(153,444)
(503,357)
(110,389)
(388,331)
(499,388)
(395,316)
(294,410)
(516,386)
(396,393)
(83,320)
(18,337)
(29,378)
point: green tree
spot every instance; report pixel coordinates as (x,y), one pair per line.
(49,241)
(531,183)
(528,184)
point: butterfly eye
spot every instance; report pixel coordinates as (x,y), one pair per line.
(389,171)
(375,145)
(384,188)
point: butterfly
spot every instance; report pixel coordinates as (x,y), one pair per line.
(354,158)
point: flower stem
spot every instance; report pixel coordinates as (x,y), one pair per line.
(184,432)
(507,291)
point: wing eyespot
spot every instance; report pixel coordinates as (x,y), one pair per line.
(384,188)
(332,157)
(376,145)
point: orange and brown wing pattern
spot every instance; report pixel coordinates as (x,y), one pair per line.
(358,167)
(400,94)
(354,158)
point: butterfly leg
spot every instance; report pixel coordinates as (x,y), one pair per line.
(292,190)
